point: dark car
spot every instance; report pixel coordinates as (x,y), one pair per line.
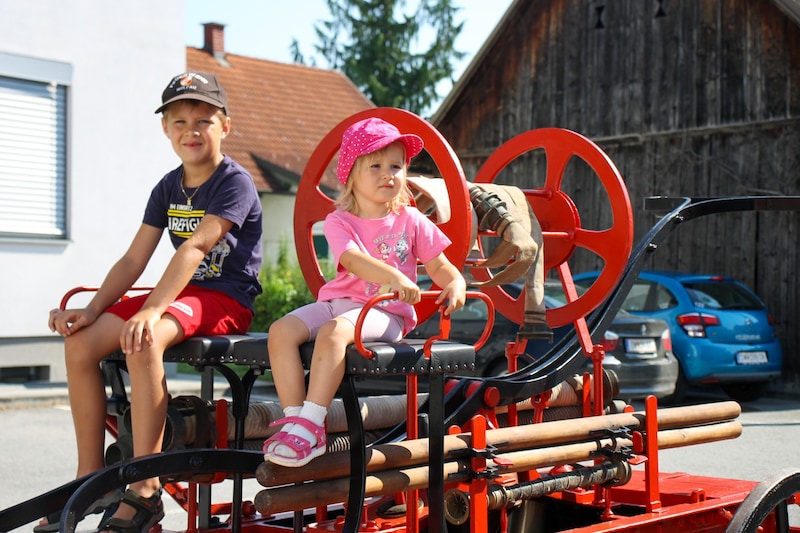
(638,349)
(722,333)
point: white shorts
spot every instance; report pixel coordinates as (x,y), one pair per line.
(378,325)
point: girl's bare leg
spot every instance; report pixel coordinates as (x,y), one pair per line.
(285,336)
(327,371)
(327,363)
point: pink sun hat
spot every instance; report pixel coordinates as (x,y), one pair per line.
(368,136)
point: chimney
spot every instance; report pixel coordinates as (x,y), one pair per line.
(214,34)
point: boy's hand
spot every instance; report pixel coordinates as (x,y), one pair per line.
(455,293)
(138,330)
(68,321)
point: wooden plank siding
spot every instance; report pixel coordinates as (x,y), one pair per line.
(688,98)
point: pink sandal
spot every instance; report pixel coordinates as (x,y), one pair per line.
(278,437)
(274,440)
(302,448)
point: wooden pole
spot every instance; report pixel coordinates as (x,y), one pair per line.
(316,493)
(415,452)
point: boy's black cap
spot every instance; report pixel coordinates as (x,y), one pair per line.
(194,86)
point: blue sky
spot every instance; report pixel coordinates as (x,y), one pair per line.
(265,28)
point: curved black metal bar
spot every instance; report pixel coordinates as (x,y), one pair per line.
(176,465)
(39,506)
(77,495)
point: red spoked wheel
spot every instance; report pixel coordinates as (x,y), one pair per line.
(560,221)
(312,205)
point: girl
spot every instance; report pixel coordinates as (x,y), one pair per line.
(376,240)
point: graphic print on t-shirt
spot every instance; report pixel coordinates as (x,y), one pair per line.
(182,221)
(211,265)
(386,246)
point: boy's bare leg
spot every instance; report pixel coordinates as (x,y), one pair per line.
(87,395)
(149,402)
(149,395)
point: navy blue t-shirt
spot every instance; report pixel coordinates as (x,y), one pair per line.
(233,264)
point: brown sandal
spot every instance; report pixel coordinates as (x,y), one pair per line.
(149,512)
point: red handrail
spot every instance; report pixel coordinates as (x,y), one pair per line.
(90,288)
(444,330)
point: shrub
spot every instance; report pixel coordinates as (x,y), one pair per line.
(285,289)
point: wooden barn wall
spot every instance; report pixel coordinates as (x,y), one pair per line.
(688,98)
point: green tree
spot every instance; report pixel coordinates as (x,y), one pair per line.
(378,45)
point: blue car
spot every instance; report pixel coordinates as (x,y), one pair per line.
(721,331)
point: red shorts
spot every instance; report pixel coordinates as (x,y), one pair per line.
(199,311)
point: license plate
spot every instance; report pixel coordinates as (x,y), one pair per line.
(640,345)
(751,358)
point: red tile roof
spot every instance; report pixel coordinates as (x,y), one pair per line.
(279,112)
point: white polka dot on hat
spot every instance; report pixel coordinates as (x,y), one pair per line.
(368,136)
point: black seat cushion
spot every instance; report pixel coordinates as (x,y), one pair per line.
(389,358)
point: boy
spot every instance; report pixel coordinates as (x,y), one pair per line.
(212,212)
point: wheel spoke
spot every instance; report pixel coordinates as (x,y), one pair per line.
(604,243)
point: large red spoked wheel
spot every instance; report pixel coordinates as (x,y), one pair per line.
(560,222)
(312,205)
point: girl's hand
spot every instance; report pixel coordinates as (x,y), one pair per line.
(455,293)
(407,291)
(68,321)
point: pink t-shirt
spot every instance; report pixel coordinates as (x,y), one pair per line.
(399,240)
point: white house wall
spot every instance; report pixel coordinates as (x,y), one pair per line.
(278,226)
(122,55)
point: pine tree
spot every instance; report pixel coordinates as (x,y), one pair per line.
(379,47)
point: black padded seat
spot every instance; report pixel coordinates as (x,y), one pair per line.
(217,352)
(389,359)
(198,351)
(408,357)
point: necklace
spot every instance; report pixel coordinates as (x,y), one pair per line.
(188,198)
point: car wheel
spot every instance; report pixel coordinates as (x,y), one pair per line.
(679,394)
(745,392)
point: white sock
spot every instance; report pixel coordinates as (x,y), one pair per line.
(312,412)
(292,410)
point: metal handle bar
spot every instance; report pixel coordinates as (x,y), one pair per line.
(444,332)
(90,288)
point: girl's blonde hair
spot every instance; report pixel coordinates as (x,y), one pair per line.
(347,200)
